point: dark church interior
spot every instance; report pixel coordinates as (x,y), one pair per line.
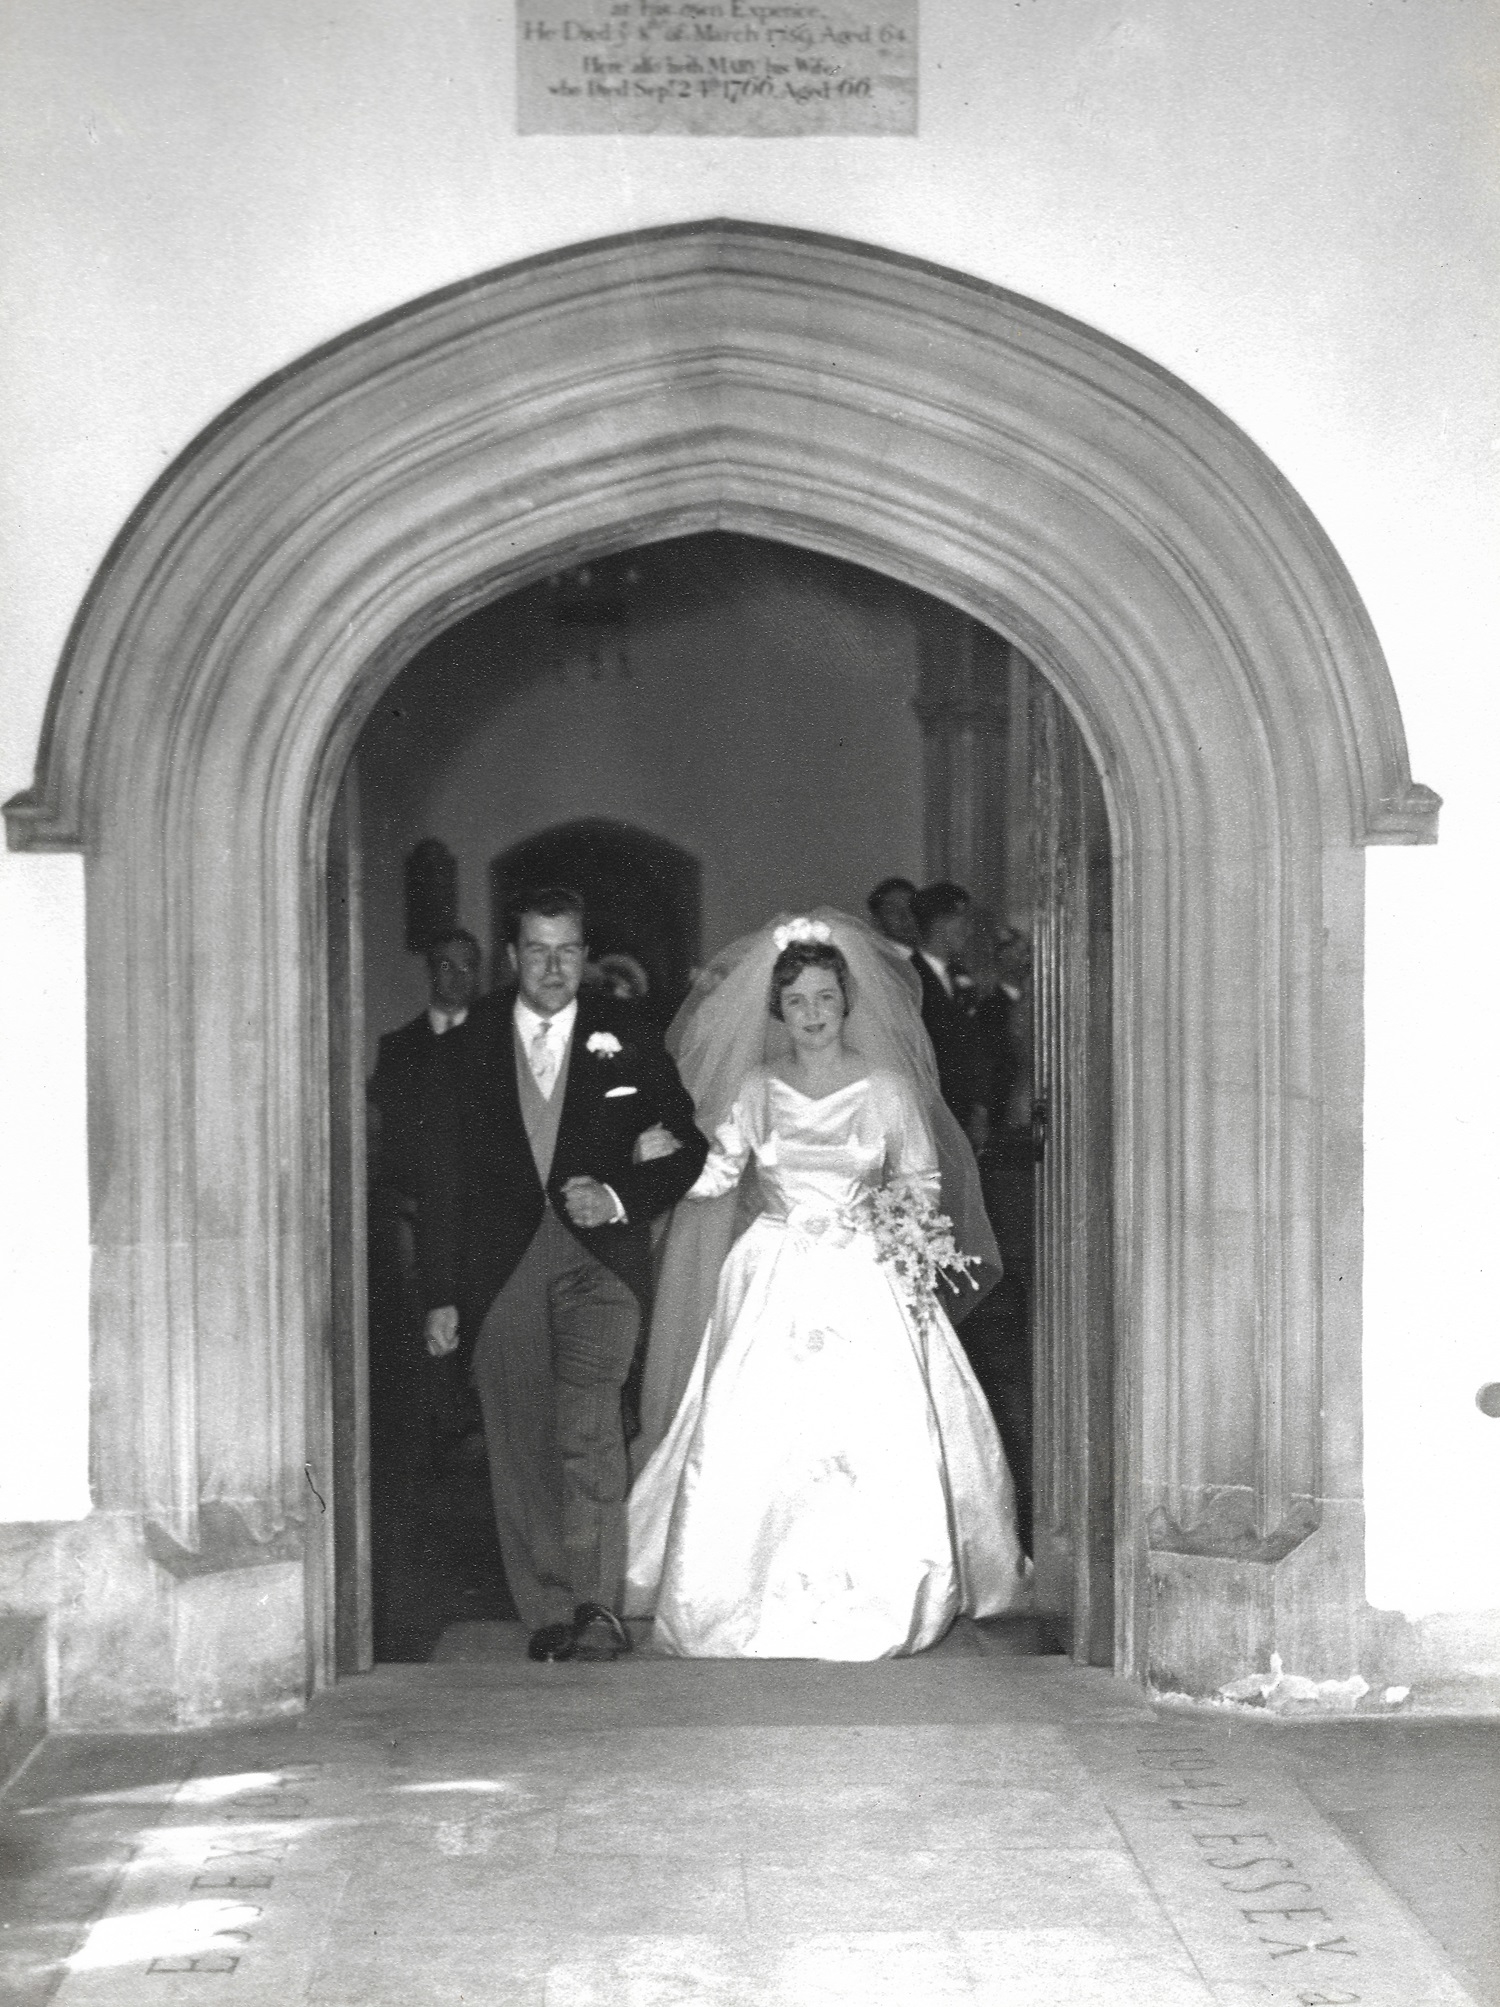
(434,1557)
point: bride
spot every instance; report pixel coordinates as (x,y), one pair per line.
(831,1484)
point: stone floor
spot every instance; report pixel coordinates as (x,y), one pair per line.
(972,1826)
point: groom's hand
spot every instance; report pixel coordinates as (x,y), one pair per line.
(590,1204)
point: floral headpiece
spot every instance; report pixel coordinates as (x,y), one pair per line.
(801,929)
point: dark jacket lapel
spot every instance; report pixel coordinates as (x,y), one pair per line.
(506,1058)
(936,1002)
(506,1087)
(576,1096)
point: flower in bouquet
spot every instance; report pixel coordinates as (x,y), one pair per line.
(914,1243)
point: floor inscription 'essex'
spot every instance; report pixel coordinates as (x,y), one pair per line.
(215,1923)
(1246,1860)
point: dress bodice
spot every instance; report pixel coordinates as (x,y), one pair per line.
(816,1155)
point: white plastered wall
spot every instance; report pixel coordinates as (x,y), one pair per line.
(1293,209)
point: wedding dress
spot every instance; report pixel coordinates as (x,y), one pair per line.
(832,1485)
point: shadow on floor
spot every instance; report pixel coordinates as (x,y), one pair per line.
(1420,1800)
(436,1560)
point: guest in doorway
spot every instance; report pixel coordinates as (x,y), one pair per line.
(418,1067)
(950,1004)
(890,910)
(623,976)
(998,958)
(625,979)
(419,1088)
(997,1337)
(421,1409)
(534,1222)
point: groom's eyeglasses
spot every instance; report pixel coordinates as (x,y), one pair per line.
(548,958)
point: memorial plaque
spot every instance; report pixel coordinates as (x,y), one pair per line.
(756,68)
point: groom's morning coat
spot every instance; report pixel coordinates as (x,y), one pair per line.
(480,1200)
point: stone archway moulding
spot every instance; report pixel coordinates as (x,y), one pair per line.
(970,443)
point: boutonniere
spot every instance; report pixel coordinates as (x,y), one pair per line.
(604,1045)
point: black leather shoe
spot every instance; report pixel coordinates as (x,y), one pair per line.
(552,1643)
(598,1633)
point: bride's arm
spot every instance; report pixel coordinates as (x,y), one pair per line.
(911,1159)
(728,1155)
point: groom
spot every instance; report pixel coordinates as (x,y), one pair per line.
(535,1231)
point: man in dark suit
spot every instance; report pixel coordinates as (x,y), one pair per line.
(949,1005)
(419,1067)
(534,1230)
(418,1089)
(421,1409)
(890,911)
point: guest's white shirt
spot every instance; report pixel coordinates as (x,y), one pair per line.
(445,1020)
(939,968)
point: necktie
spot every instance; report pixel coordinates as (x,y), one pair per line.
(544,1060)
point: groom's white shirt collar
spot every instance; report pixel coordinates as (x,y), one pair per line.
(529,1022)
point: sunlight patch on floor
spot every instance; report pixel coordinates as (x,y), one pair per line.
(177,1930)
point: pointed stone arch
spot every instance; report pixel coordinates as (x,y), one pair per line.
(971,443)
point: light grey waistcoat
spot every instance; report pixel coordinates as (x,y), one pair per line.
(540,1114)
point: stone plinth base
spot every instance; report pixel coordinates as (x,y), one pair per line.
(144,1635)
(23,1687)
(1214,1620)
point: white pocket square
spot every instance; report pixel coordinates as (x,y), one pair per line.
(614,1093)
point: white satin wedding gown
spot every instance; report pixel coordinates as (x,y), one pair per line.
(833,1486)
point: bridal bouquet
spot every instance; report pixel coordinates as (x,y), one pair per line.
(914,1241)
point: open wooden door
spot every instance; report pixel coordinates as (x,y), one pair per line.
(1073,1340)
(349,1358)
